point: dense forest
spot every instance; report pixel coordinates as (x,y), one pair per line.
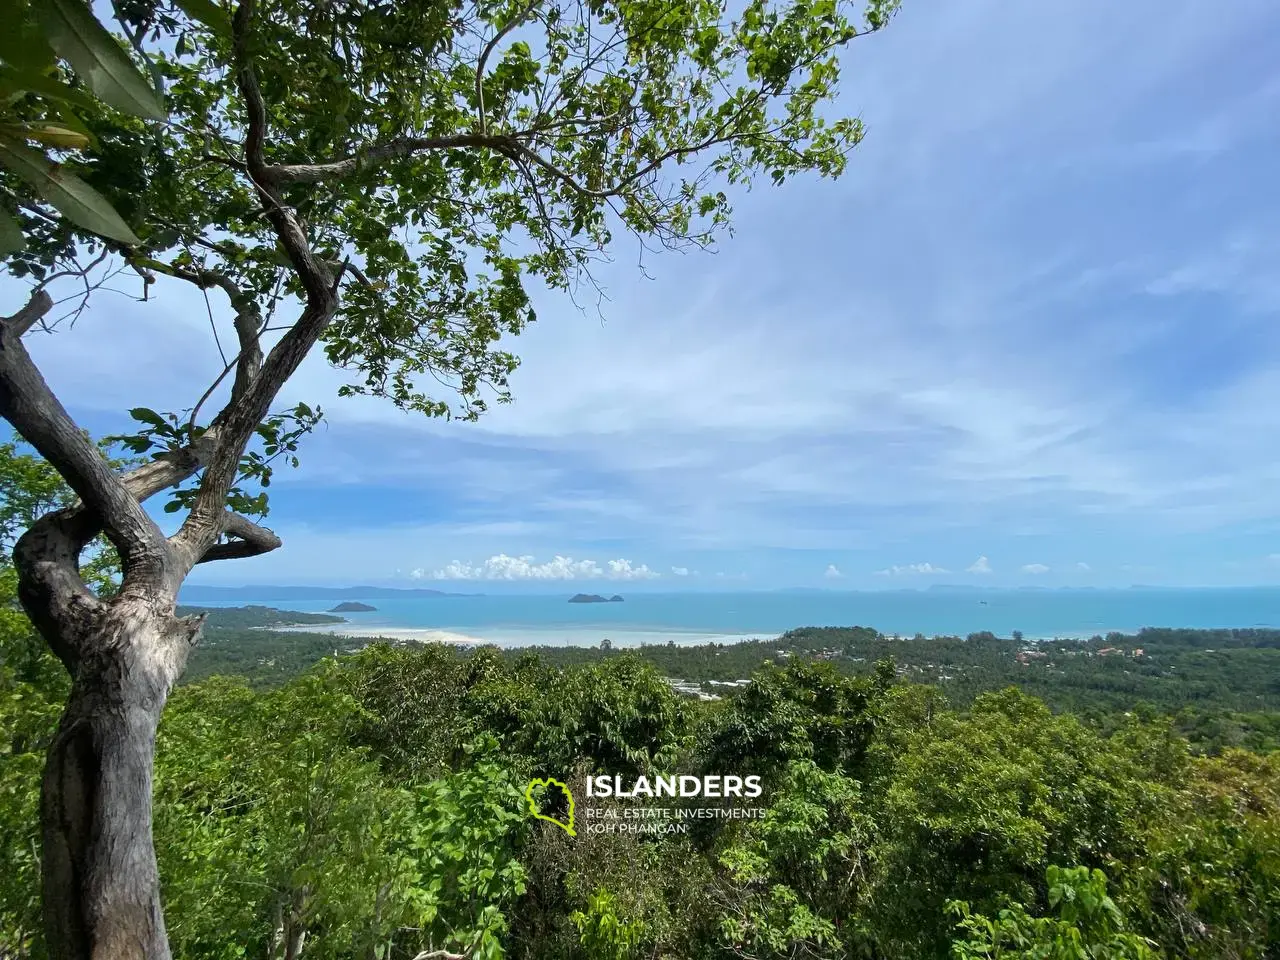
(1222,687)
(372,804)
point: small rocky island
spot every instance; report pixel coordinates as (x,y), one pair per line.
(594,598)
(352,606)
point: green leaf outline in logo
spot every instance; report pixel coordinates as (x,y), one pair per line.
(533,806)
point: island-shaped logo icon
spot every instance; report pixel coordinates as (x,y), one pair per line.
(543,787)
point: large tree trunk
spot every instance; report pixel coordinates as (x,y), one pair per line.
(101,884)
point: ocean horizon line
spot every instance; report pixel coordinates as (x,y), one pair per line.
(515,589)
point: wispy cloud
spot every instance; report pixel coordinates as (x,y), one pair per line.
(910,569)
(980,566)
(833,572)
(503,567)
(1034,568)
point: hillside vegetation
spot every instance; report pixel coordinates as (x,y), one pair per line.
(372,805)
(1221,686)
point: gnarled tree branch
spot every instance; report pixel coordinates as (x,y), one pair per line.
(31,407)
(295,173)
(48,554)
(235,425)
(248,361)
(249,540)
(31,313)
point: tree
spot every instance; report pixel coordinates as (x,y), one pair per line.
(312,848)
(33,686)
(393,176)
(975,808)
(794,875)
(1088,924)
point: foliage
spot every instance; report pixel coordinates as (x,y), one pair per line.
(277,439)
(470,826)
(373,807)
(254,617)
(618,713)
(601,933)
(1088,925)
(32,687)
(55,59)
(1211,879)
(805,710)
(439,157)
(793,874)
(976,807)
(310,839)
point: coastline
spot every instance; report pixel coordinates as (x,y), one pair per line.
(547,620)
(527,636)
(620,637)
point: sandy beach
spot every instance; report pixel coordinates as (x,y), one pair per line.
(526,637)
(415,634)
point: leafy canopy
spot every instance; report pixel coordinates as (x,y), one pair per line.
(442,154)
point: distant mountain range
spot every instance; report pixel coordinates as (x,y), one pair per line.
(194,593)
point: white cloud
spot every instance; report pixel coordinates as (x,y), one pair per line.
(1034,568)
(503,567)
(833,572)
(625,570)
(910,569)
(680,571)
(981,565)
(1083,566)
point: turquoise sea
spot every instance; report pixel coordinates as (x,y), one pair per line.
(698,617)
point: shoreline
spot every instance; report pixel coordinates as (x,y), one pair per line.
(625,638)
(620,638)
(527,636)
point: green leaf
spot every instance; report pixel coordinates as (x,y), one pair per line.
(11,238)
(147,415)
(76,200)
(73,122)
(51,135)
(14,80)
(97,59)
(208,13)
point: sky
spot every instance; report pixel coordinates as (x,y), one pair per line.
(1030,338)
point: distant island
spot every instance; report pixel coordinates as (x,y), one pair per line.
(594,598)
(352,606)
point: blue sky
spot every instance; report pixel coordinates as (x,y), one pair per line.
(1030,338)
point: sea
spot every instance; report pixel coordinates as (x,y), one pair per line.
(692,618)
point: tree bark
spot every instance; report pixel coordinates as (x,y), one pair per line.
(101,884)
